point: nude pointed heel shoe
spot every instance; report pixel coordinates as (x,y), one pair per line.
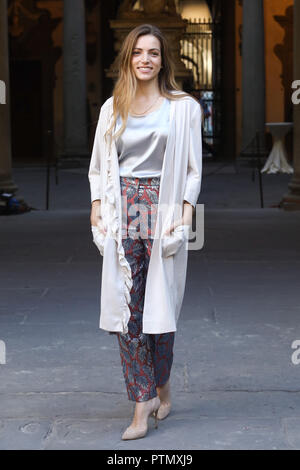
(165,408)
(136,432)
(163,412)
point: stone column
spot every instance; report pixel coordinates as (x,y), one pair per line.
(253,62)
(6,181)
(291,201)
(74,80)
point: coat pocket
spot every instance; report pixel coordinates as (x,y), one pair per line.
(172,243)
(98,238)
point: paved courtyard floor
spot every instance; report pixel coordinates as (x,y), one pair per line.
(234,384)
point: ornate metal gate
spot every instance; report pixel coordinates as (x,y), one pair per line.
(201,52)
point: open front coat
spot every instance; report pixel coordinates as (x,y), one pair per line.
(180,180)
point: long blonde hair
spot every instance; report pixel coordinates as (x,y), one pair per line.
(126,84)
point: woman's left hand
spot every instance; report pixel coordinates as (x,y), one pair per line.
(186,219)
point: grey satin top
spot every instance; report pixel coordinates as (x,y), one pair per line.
(142,145)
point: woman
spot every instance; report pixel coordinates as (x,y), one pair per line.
(145,178)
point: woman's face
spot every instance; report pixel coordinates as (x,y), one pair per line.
(146,58)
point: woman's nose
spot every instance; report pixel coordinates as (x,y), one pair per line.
(145,58)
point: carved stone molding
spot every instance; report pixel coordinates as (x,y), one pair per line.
(161,13)
(150,8)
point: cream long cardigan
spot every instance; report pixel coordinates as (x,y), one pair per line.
(180,180)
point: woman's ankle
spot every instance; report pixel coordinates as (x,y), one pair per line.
(164,392)
(140,415)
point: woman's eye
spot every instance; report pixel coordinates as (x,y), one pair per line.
(137,52)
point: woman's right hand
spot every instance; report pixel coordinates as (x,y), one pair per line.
(95,218)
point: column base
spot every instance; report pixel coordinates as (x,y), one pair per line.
(291,201)
(8,186)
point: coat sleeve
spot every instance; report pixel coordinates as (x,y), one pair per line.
(95,162)
(194,171)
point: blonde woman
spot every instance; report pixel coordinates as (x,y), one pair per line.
(145,178)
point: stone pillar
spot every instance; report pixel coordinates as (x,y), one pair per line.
(6,181)
(291,201)
(74,80)
(253,61)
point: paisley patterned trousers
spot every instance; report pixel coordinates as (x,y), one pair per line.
(146,358)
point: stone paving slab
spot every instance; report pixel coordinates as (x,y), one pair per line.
(172,434)
(234,385)
(202,434)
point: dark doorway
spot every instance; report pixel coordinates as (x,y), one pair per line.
(26,111)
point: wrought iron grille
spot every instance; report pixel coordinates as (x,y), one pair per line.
(201,53)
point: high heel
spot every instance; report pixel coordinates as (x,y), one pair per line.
(165,408)
(136,432)
(155,416)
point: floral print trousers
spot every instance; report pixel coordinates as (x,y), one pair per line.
(146,358)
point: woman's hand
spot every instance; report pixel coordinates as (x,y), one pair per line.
(95,218)
(186,219)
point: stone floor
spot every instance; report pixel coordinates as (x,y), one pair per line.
(234,384)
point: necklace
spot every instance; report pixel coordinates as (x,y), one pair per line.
(140,114)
